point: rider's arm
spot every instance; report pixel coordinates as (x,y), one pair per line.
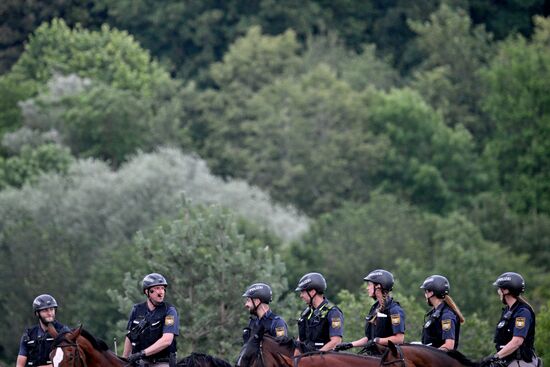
(360,342)
(127,347)
(21,361)
(510,347)
(395,339)
(334,340)
(161,344)
(448,345)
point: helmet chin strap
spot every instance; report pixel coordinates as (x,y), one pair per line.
(155,303)
(311,298)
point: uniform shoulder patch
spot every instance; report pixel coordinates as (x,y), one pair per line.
(446,324)
(520,322)
(280,331)
(395,319)
(336,323)
(169,320)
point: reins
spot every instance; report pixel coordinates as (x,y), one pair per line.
(77,356)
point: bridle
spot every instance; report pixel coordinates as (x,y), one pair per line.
(401,359)
(76,357)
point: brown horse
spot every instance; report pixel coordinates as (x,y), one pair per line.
(330,359)
(78,348)
(265,351)
(415,355)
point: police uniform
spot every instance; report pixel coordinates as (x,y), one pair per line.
(518,320)
(145,327)
(384,323)
(317,326)
(36,344)
(274,325)
(440,323)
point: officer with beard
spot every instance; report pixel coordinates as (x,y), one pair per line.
(153,327)
(258,296)
(36,343)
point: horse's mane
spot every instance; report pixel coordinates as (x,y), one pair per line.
(199,359)
(284,341)
(96,343)
(454,354)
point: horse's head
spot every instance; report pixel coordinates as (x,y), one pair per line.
(263,350)
(65,350)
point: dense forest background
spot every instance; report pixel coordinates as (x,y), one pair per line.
(227,142)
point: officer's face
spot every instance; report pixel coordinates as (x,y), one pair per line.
(47,314)
(371,289)
(304,295)
(249,304)
(157,293)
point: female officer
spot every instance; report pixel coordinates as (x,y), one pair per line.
(515,332)
(386,318)
(442,323)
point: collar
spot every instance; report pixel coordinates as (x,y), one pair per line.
(267,315)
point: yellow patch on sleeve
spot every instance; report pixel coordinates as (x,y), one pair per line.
(395,319)
(520,322)
(336,323)
(169,320)
(446,324)
(280,331)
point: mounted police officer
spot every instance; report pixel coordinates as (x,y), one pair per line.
(442,323)
(258,296)
(321,324)
(515,332)
(36,342)
(386,318)
(153,327)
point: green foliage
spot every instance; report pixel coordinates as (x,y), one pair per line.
(347,243)
(518,103)
(542,341)
(428,163)
(31,163)
(108,55)
(453,52)
(11,92)
(210,264)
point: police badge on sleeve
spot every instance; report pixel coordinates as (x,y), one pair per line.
(520,322)
(169,320)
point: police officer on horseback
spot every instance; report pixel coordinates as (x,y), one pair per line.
(442,323)
(386,318)
(515,332)
(321,324)
(152,327)
(258,296)
(36,342)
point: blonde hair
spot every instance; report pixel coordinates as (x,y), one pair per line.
(449,301)
(524,300)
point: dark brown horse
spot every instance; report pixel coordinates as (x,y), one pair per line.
(78,348)
(415,355)
(265,351)
(330,359)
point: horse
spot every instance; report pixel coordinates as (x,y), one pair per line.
(263,350)
(330,359)
(416,355)
(78,348)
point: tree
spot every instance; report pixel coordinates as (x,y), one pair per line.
(518,104)
(210,264)
(108,55)
(447,77)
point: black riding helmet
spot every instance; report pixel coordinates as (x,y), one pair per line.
(382,277)
(43,302)
(152,280)
(261,291)
(437,284)
(310,281)
(514,282)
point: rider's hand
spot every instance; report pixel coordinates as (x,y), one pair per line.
(489,360)
(343,346)
(134,357)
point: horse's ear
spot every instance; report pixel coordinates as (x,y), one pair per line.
(76,332)
(392,347)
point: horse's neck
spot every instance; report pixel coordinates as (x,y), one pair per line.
(96,357)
